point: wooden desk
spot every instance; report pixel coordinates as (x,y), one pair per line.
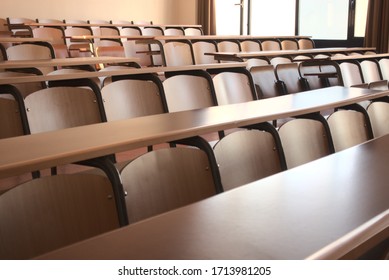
(109,37)
(72,61)
(28,153)
(241,56)
(291,215)
(131,71)
(227,37)
(23,40)
(112,25)
(91,39)
(168,25)
(360,57)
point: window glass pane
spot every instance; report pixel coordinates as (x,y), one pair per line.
(324,19)
(273,18)
(360,18)
(227,17)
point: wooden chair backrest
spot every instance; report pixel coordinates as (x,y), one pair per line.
(190,31)
(370,71)
(315,82)
(53,211)
(379,117)
(306,44)
(265,81)
(303,140)
(131,49)
(188,92)
(105,30)
(32,51)
(270,45)
(333,81)
(384,67)
(351,74)
(289,44)
(201,47)
(228,46)
(126,99)
(156,59)
(166,179)
(56,35)
(289,74)
(348,128)
(246,156)
(28,51)
(16,26)
(280,60)
(178,53)
(231,87)
(250,46)
(251,62)
(173,32)
(61,107)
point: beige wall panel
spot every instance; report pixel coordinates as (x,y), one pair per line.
(159,11)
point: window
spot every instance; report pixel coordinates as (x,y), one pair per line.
(228,20)
(340,22)
(324,19)
(276,17)
(333,19)
(360,18)
(256,17)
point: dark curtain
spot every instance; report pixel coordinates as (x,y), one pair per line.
(206,16)
(377,25)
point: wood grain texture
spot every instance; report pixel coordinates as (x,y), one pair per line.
(80,143)
(48,213)
(291,215)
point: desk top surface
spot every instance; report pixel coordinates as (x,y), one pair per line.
(23,40)
(106,73)
(71,61)
(31,152)
(288,52)
(290,215)
(90,37)
(54,24)
(360,57)
(226,37)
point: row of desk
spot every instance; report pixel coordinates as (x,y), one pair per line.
(332,208)
(64,24)
(61,62)
(28,26)
(157,38)
(219,56)
(242,56)
(64,62)
(307,212)
(29,153)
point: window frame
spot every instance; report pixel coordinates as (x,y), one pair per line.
(351,41)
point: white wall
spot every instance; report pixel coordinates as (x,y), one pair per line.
(159,11)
